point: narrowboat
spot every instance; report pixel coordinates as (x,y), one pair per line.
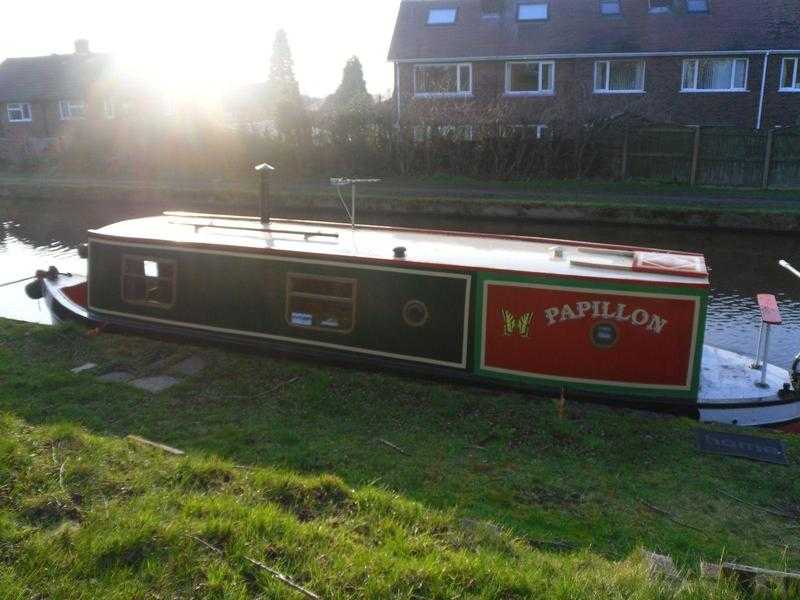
(570,319)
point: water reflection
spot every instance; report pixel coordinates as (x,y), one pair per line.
(35,234)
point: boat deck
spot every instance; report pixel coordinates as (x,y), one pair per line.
(423,248)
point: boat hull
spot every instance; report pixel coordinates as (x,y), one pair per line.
(65,296)
(735,400)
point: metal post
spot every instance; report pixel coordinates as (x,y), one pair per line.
(353,207)
(624,166)
(767,159)
(759,346)
(765,363)
(695,156)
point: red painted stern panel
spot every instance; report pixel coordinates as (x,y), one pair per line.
(590,335)
(76,293)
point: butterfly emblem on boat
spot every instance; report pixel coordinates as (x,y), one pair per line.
(513,324)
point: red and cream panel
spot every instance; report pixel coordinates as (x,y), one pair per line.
(595,336)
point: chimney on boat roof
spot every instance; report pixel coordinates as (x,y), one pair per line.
(265,207)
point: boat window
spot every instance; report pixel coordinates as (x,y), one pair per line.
(321,303)
(149,281)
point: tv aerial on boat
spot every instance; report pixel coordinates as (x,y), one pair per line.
(339,183)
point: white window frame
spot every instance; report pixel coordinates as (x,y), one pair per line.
(544,3)
(457,93)
(441,11)
(730,90)
(507,131)
(795,83)
(19,106)
(65,108)
(542,92)
(606,89)
(424,133)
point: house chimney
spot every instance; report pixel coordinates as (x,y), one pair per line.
(81,46)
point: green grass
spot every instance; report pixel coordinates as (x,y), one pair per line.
(499,495)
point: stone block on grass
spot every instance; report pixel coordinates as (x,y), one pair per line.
(116,377)
(190,366)
(156,384)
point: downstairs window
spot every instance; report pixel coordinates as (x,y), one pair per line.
(790,77)
(18,112)
(715,74)
(443,80)
(618,76)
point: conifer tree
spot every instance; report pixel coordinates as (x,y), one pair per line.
(283,93)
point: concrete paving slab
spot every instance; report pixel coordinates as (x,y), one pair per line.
(116,377)
(156,384)
(190,366)
(83,368)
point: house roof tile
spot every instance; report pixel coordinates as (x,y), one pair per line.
(54,77)
(577,27)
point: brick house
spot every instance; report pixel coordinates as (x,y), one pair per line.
(44,98)
(461,65)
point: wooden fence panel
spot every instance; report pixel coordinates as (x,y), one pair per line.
(662,154)
(732,157)
(785,159)
(714,155)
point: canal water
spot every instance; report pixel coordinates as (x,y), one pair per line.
(37,233)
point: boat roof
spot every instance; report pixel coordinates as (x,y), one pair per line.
(429,249)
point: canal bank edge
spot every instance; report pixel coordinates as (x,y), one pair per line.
(606,210)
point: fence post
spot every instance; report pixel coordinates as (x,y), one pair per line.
(767,159)
(695,156)
(624,166)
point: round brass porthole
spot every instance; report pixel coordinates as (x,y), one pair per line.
(415,313)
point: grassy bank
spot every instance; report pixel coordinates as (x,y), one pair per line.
(490,495)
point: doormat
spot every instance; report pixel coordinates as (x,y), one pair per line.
(744,446)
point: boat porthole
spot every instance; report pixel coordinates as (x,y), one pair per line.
(415,313)
(605,335)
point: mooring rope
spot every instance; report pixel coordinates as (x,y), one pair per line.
(17,281)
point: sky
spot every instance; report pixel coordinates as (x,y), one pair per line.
(204,47)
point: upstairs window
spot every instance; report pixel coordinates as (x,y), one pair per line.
(697,6)
(443,80)
(790,77)
(525,78)
(660,6)
(618,76)
(532,11)
(610,8)
(442,16)
(715,75)
(72,109)
(148,281)
(321,303)
(18,112)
